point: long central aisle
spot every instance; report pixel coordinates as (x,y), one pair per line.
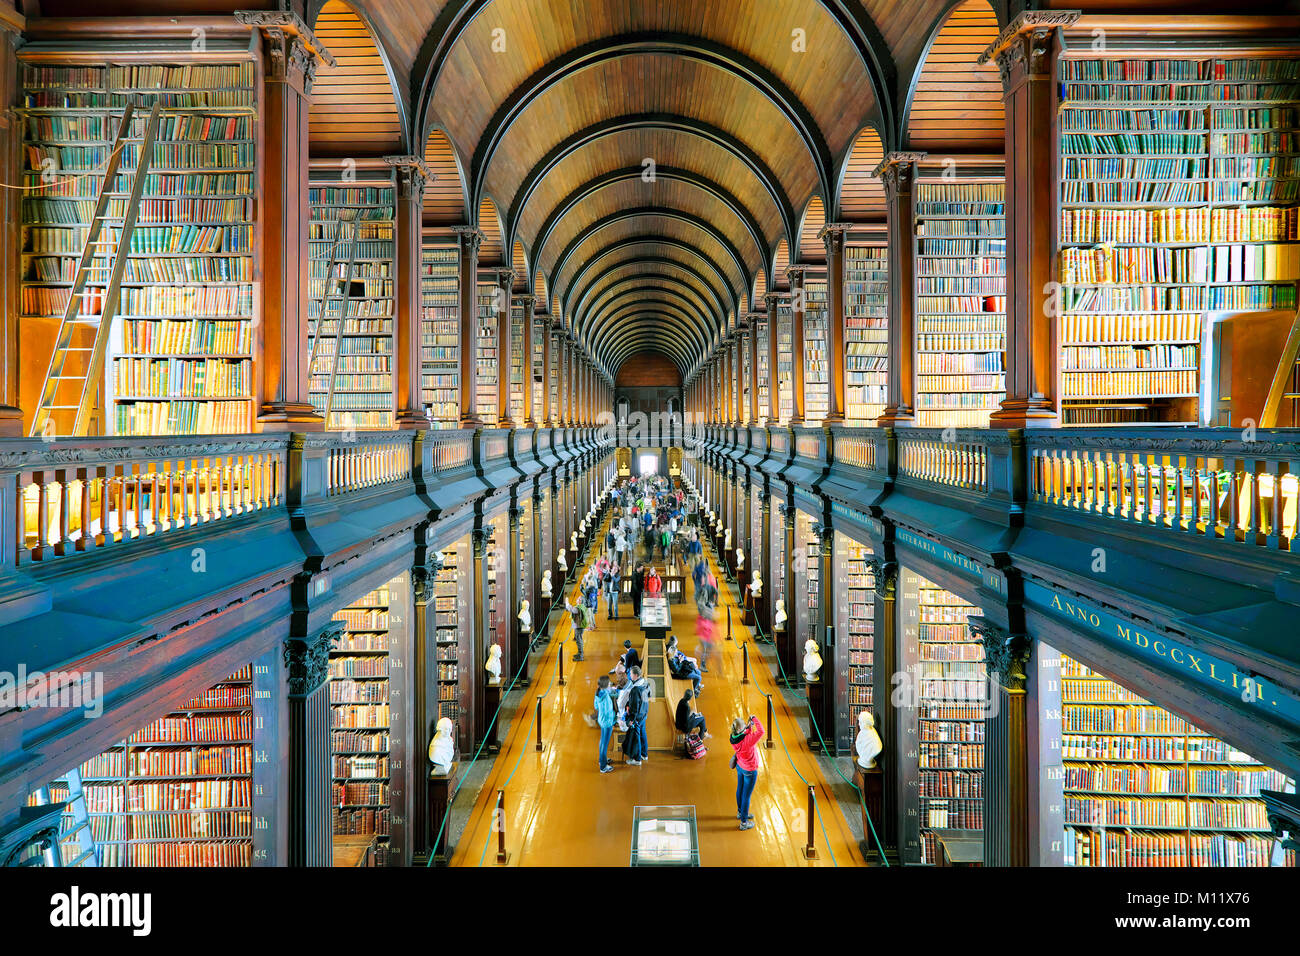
(561,811)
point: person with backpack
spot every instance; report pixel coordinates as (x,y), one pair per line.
(611,543)
(605,718)
(744,740)
(636,705)
(688,719)
(581,616)
(613,584)
(654,584)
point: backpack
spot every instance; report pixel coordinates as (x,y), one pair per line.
(637,707)
(695,748)
(588,618)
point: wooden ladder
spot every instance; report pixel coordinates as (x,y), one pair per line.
(75,830)
(348,232)
(76,317)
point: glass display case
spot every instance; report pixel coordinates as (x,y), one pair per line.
(665,836)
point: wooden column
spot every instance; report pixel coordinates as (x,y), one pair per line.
(798,311)
(290,56)
(898,172)
(412,176)
(884,665)
(509,629)
(1007,755)
(1026,53)
(505,346)
(789,653)
(738,356)
(773,301)
(481,540)
(833,235)
(468,239)
(425,703)
(11,204)
(310,774)
(754,410)
(529,303)
(826,635)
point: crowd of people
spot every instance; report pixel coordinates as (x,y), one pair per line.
(649,519)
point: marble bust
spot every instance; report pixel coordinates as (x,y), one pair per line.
(526,615)
(442,749)
(812,660)
(740,555)
(726,541)
(546,583)
(573,541)
(562,561)
(756,585)
(778,620)
(493,665)
(868,743)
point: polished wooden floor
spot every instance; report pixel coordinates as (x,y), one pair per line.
(561,811)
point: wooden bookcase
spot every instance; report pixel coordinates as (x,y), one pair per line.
(440,334)
(487,356)
(454,615)
(784,360)
(180,352)
(941,716)
(352,238)
(1142,787)
(761,333)
(816,347)
(855,639)
(866,333)
(960,297)
(1179,192)
(516,394)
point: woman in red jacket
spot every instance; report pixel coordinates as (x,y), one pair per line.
(744,738)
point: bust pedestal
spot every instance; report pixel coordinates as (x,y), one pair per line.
(440,788)
(573,556)
(524,643)
(814,690)
(491,701)
(872,784)
(742,584)
(786,655)
(543,616)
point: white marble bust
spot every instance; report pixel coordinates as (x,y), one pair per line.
(546,584)
(812,660)
(442,749)
(740,556)
(756,585)
(778,621)
(573,541)
(493,665)
(868,743)
(526,615)
(726,541)
(562,560)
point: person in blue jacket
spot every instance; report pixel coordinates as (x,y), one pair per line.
(605,719)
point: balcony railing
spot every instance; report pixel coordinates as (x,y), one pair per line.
(955,460)
(366,462)
(79,495)
(1194,481)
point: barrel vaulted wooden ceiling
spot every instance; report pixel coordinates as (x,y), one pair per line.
(649,168)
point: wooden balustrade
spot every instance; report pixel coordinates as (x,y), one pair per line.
(1195,482)
(376,459)
(80,495)
(955,459)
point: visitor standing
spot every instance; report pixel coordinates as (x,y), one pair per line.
(605,718)
(744,740)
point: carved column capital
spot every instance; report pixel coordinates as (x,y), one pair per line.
(796,274)
(292,50)
(412,174)
(897,172)
(514,515)
(1025,46)
(307,659)
(773,299)
(481,537)
(834,235)
(1006,656)
(884,575)
(422,578)
(468,238)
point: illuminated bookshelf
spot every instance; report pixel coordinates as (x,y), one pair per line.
(1179,189)
(440,334)
(764,380)
(516,394)
(179,353)
(866,333)
(784,360)
(855,627)
(1142,787)
(359,664)
(960,301)
(816,352)
(486,354)
(351,223)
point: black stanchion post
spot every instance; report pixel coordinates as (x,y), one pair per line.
(744,653)
(502,856)
(768,743)
(810,851)
(539,724)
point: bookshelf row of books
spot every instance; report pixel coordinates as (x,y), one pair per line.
(440,335)
(960,307)
(189,259)
(857,624)
(1144,787)
(784,360)
(816,351)
(448,621)
(359,695)
(764,381)
(1177,197)
(179,791)
(949,717)
(487,356)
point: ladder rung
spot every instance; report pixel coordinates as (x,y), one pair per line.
(57,408)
